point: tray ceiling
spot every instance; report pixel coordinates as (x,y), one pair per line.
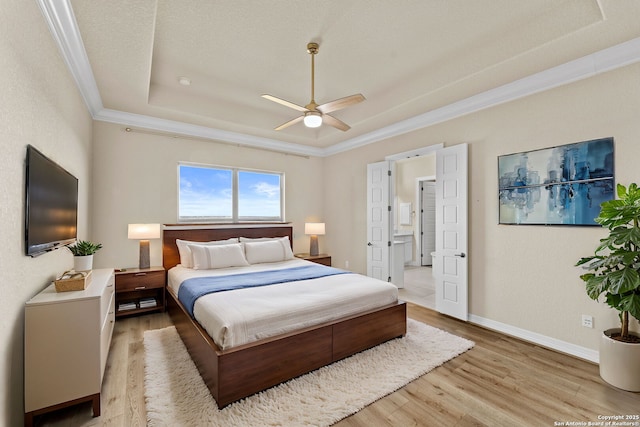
(409,59)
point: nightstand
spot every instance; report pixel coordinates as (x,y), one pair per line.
(140,290)
(323,259)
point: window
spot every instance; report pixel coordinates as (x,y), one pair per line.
(259,195)
(215,194)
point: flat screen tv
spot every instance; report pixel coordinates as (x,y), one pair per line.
(51,208)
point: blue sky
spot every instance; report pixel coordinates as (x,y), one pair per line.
(207,192)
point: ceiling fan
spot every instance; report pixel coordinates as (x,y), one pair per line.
(314,114)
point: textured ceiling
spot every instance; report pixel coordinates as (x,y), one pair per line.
(407,57)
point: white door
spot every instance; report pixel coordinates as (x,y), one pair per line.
(451,260)
(378,220)
(427,221)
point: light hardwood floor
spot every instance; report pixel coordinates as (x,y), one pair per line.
(502,381)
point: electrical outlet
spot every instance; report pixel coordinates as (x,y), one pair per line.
(346,265)
(587,321)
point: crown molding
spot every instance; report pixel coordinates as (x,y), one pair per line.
(64,29)
(172,127)
(609,59)
(61,21)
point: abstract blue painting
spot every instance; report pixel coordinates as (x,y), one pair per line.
(556,186)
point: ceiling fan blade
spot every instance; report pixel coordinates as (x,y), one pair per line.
(339,104)
(289,123)
(285,103)
(332,121)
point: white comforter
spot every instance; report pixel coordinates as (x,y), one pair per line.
(241,316)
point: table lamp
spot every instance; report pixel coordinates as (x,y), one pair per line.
(314,229)
(144,232)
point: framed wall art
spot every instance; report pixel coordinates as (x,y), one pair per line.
(561,185)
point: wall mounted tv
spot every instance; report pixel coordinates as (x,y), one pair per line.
(51,208)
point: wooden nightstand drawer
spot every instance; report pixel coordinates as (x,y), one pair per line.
(323,259)
(138,280)
(140,291)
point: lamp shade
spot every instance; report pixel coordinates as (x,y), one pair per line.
(144,231)
(314,228)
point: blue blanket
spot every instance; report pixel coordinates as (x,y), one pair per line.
(192,289)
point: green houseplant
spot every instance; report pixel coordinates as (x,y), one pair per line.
(83,252)
(84,248)
(614,271)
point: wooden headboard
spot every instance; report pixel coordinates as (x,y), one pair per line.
(207,233)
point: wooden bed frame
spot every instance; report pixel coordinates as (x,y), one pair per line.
(241,371)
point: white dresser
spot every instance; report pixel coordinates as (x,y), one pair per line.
(66,344)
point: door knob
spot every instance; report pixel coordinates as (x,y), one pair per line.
(369,244)
(461,255)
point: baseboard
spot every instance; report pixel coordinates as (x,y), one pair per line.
(545,341)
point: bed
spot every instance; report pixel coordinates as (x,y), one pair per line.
(240,365)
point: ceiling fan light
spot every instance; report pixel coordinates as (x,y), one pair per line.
(312,119)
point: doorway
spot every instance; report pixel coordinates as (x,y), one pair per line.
(414,185)
(426,237)
(450,260)
(419,283)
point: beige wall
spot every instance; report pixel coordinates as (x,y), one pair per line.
(521,276)
(40,105)
(136,181)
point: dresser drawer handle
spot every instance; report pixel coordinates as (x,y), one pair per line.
(140,274)
(140,287)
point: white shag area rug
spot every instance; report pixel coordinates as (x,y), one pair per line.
(176,395)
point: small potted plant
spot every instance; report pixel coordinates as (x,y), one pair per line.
(83,252)
(614,271)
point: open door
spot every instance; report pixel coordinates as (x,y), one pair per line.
(378,220)
(427,221)
(451,258)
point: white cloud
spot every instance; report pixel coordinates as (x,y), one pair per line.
(267,189)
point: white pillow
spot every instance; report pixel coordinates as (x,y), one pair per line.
(186,260)
(259,239)
(206,257)
(272,250)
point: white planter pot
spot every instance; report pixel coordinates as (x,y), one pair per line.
(83,263)
(619,362)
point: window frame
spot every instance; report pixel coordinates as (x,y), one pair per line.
(234,219)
